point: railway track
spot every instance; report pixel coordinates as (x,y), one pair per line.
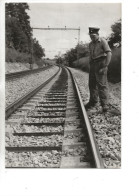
(26,72)
(50,128)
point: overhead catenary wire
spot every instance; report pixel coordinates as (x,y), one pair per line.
(61,29)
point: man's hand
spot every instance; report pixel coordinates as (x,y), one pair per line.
(103,70)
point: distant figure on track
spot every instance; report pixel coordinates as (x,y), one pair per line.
(100,57)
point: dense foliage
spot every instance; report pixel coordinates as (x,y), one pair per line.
(80,51)
(114,69)
(19,32)
(115,37)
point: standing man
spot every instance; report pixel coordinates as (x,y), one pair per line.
(100,57)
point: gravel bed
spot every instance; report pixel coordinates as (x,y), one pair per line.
(44,109)
(76,151)
(34,113)
(51,104)
(77,135)
(107,127)
(49,101)
(33,159)
(17,87)
(73,122)
(55,96)
(43,120)
(60,94)
(33,129)
(33,141)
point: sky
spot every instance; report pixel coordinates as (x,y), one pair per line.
(71,15)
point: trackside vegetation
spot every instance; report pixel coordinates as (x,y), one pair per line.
(20,44)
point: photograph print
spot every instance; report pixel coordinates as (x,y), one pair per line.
(63,85)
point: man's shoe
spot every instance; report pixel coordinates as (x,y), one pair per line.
(89,105)
(105,108)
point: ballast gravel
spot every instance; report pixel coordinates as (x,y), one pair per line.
(43,120)
(18,87)
(50,109)
(33,141)
(51,104)
(106,127)
(76,151)
(79,137)
(33,129)
(34,113)
(33,159)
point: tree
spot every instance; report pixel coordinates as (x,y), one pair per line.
(114,71)
(19,31)
(82,49)
(115,37)
(18,11)
(38,51)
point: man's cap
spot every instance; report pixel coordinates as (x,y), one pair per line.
(93,30)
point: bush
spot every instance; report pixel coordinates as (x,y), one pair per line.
(82,64)
(114,71)
(13,55)
(39,62)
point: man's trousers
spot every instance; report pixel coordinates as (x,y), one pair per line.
(98,84)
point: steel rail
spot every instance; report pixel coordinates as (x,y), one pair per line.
(94,147)
(21,73)
(12,107)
